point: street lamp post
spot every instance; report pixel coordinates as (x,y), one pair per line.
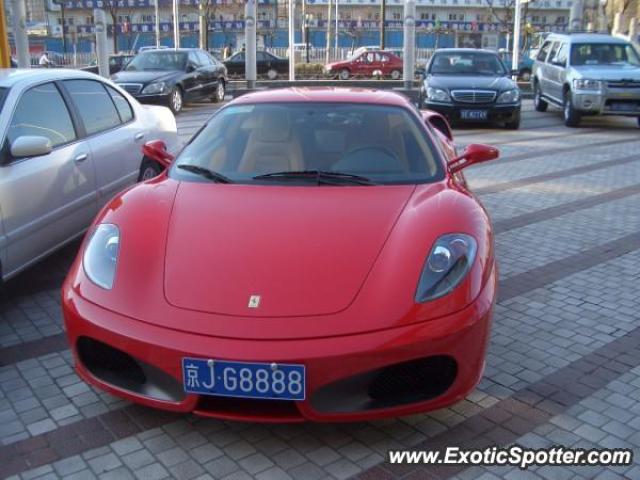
(157,20)
(307,19)
(515,58)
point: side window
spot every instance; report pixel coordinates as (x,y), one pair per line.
(193,59)
(41,111)
(560,58)
(542,54)
(122,105)
(94,104)
(204,59)
(239,58)
(261,57)
(554,50)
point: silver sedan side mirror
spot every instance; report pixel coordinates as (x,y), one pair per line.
(30,146)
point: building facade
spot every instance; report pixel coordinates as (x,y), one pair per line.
(480,23)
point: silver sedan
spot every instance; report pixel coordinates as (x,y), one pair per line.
(70,141)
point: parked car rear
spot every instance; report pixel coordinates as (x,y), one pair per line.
(367,63)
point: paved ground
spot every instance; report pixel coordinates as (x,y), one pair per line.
(563,365)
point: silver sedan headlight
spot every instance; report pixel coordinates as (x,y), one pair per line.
(438,95)
(510,96)
(101,255)
(587,84)
(157,87)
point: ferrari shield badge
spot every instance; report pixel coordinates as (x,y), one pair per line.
(254,301)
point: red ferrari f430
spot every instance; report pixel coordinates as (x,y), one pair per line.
(311,254)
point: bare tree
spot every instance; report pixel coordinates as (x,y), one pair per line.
(113,9)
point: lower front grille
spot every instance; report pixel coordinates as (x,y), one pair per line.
(118,368)
(247,408)
(473,96)
(393,386)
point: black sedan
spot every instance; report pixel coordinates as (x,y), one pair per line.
(116,63)
(266,64)
(172,77)
(471,85)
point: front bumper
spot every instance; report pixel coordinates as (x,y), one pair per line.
(340,370)
(156,99)
(608,102)
(495,112)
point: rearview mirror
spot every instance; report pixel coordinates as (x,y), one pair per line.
(157,150)
(30,146)
(474,153)
(191,68)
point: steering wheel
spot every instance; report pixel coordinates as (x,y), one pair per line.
(371,151)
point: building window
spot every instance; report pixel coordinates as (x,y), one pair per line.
(397,16)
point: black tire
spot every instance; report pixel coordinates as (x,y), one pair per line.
(571,115)
(514,123)
(176,100)
(525,75)
(539,104)
(344,74)
(221,91)
(149,169)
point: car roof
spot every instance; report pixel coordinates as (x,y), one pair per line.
(465,50)
(586,38)
(14,76)
(324,95)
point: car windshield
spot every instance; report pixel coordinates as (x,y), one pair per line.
(383,144)
(154,60)
(604,54)
(467,63)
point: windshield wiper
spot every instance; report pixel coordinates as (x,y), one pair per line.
(206,173)
(321,176)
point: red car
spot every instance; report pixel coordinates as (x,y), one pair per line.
(309,255)
(368,64)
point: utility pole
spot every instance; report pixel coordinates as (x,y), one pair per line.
(5,53)
(328,49)
(20,34)
(176,25)
(409,50)
(575,16)
(102,50)
(337,27)
(60,3)
(383,18)
(250,67)
(292,40)
(515,60)
(157,23)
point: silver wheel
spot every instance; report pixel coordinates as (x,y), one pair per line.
(149,173)
(272,74)
(220,91)
(344,74)
(176,100)
(395,74)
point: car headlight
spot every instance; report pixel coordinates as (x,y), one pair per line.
(448,263)
(510,96)
(157,87)
(101,255)
(587,84)
(438,95)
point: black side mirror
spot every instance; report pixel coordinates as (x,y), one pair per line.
(191,68)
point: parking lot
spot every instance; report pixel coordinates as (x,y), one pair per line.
(563,366)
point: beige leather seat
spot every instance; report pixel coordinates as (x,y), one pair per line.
(272,146)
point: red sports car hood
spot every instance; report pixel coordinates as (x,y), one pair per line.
(301,250)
